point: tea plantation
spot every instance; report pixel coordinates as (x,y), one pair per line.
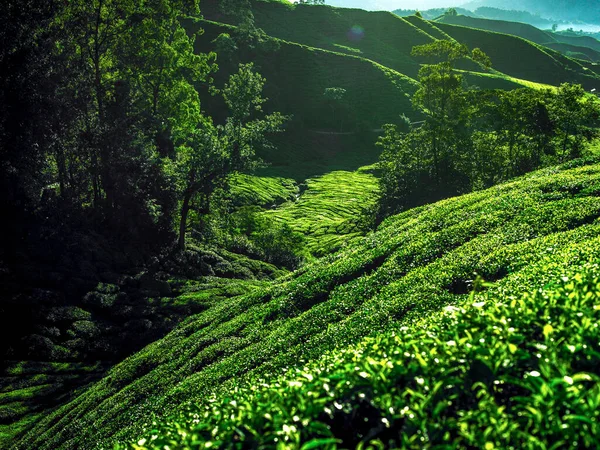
(384,343)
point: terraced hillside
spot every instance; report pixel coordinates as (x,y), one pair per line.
(575,51)
(573,46)
(330,210)
(379,36)
(520,58)
(388,39)
(523,30)
(522,236)
(69,345)
(297,76)
(579,41)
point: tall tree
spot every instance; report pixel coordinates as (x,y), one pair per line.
(133,82)
(575,113)
(441,98)
(209,154)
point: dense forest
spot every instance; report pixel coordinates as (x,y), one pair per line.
(246,223)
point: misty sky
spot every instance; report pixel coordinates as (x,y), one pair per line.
(389,5)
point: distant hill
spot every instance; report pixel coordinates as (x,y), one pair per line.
(512,15)
(579,41)
(583,47)
(523,30)
(433,13)
(521,58)
(583,10)
(388,40)
(575,51)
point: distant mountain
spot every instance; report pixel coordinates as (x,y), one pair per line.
(433,13)
(488,12)
(587,11)
(523,30)
(580,47)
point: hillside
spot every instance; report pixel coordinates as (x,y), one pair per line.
(388,39)
(101,263)
(580,41)
(524,235)
(509,53)
(379,36)
(573,46)
(523,30)
(575,51)
(587,11)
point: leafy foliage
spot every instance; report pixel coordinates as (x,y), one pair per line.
(473,139)
(209,154)
(521,235)
(498,370)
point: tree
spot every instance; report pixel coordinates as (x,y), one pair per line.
(451,12)
(575,114)
(132,76)
(405,170)
(28,74)
(334,96)
(209,154)
(441,99)
(481,58)
(247,35)
(435,160)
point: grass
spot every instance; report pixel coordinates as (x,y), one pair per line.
(523,235)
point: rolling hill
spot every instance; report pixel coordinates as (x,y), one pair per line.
(243,370)
(575,51)
(388,39)
(523,30)
(573,46)
(523,59)
(587,11)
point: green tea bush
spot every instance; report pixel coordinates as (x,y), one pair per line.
(394,286)
(496,371)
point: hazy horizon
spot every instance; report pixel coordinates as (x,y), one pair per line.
(390,5)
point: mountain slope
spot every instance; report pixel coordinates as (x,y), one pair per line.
(523,30)
(416,263)
(582,10)
(386,38)
(379,36)
(567,45)
(580,41)
(520,58)
(575,51)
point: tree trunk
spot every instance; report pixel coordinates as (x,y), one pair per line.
(565,142)
(185,209)
(62,170)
